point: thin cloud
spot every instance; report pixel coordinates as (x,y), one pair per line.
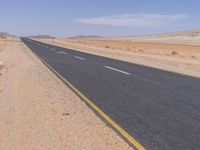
(134,20)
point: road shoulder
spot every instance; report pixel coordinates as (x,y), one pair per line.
(39,112)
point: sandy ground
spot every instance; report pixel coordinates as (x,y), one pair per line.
(164,39)
(38,112)
(180,58)
(191,37)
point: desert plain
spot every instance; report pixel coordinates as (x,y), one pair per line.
(39,112)
(176,52)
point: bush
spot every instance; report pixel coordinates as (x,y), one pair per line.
(174,53)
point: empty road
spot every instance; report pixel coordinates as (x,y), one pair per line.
(160,109)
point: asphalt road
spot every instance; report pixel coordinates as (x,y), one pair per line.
(160,109)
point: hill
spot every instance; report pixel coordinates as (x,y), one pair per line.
(85,36)
(191,33)
(42,37)
(5,35)
(191,37)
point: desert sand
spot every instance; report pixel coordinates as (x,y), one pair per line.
(186,37)
(179,57)
(38,112)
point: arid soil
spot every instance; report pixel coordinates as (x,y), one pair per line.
(187,37)
(180,58)
(38,112)
(166,40)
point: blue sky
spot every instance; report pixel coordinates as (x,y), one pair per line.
(65,18)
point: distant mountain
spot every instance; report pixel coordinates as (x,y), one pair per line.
(85,36)
(42,37)
(5,35)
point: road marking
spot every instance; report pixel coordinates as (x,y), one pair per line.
(127,136)
(81,58)
(53,49)
(121,71)
(60,52)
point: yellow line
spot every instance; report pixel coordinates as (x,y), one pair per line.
(133,141)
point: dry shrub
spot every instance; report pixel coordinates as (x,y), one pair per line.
(193,57)
(174,53)
(141,50)
(106,46)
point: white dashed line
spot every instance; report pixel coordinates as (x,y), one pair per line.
(124,72)
(81,58)
(53,49)
(61,52)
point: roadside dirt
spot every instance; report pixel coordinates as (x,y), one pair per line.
(179,58)
(38,112)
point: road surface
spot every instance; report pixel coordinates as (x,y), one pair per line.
(160,109)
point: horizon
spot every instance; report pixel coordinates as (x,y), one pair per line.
(101,18)
(35,35)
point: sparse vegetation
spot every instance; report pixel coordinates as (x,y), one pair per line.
(66,114)
(130,48)
(1,65)
(106,46)
(193,57)
(174,53)
(141,50)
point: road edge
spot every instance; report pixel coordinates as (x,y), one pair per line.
(130,139)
